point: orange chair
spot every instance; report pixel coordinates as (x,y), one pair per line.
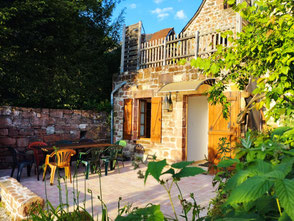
(62,161)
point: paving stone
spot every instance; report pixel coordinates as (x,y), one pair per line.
(124,184)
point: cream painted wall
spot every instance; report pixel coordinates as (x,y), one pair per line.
(197,131)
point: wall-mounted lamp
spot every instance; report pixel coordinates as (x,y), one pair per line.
(168,103)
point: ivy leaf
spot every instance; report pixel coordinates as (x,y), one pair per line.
(155,169)
(250,190)
(182,164)
(188,171)
(285,193)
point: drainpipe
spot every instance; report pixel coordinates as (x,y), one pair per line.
(111,103)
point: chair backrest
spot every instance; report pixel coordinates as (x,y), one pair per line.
(63,156)
(122,143)
(37,144)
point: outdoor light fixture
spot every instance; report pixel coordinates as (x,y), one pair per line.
(168,103)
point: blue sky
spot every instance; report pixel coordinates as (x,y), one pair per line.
(158,14)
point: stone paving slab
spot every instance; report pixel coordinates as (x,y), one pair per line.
(124,184)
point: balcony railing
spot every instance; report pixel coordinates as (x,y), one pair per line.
(170,50)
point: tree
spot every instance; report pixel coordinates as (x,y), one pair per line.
(57,53)
(262,52)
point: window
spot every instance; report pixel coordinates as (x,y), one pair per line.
(145,118)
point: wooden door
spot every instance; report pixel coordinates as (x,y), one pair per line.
(219,127)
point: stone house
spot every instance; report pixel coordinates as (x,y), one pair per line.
(162,105)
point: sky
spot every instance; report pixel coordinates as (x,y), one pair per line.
(158,14)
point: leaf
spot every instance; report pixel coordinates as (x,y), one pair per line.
(260,167)
(247,142)
(285,193)
(279,131)
(169,171)
(188,171)
(284,217)
(155,169)
(265,204)
(214,68)
(150,213)
(228,163)
(182,164)
(237,179)
(250,156)
(250,190)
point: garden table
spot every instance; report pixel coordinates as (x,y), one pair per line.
(68,146)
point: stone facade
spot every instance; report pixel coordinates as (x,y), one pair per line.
(145,83)
(20,126)
(212,16)
(17,199)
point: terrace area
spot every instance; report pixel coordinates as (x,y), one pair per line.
(123,184)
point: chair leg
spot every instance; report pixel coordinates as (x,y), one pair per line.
(38,172)
(19,170)
(68,173)
(44,172)
(29,167)
(87,164)
(106,166)
(53,168)
(12,171)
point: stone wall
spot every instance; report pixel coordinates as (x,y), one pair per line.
(211,17)
(20,126)
(145,84)
(18,200)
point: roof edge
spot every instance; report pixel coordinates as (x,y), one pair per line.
(194,16)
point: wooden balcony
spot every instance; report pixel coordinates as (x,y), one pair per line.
(137,54)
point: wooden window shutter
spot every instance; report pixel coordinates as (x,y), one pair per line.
(127,130)
(156,119)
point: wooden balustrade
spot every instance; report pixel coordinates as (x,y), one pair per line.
(170,50)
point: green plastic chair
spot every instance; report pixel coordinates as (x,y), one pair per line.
(120,156)
(114,154)
(91,159)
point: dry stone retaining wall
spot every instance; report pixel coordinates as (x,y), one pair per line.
(20,126)
(17,199)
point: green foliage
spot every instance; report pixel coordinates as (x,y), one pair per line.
(261,183)
(149,213)
(58,53)
(262,52)
(176,172)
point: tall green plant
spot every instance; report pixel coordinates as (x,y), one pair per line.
(175,172)
(262,183)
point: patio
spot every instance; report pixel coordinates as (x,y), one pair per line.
(126,185)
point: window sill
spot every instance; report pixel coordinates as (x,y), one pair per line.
(143,141)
